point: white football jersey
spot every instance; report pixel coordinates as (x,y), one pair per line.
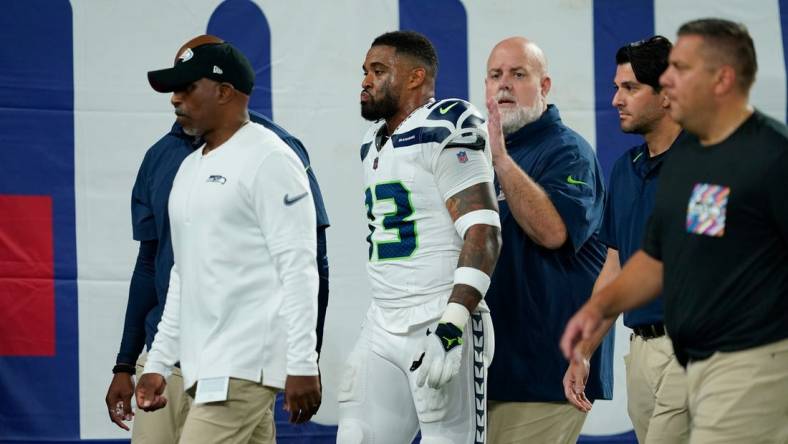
(413,244)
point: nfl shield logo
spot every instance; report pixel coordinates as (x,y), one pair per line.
(462,157)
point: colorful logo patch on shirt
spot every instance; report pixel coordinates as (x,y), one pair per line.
(462,156)
(706,209)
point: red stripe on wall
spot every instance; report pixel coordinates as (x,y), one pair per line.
(27,287)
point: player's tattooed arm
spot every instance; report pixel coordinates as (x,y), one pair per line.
(438,360)
(482,242)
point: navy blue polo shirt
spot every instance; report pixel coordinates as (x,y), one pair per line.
(630,201)
(150,221)
(534,290)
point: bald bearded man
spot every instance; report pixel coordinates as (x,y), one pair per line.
(550,192)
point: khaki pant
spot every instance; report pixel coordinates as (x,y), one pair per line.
(246,417)
(740,397)
(656,392)
(163,426)
(533,423)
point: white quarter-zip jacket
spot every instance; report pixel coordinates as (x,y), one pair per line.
(242,300)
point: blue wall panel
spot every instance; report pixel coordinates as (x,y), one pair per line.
(616,23)
(40,397)
(242,23)
(445,23)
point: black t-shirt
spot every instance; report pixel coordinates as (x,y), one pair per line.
(720,227)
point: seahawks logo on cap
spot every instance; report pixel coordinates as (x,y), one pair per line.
(186,55)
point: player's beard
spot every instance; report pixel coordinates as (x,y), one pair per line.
(514,119)
(381,108)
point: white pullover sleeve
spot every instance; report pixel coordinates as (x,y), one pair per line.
(286,213)
(165,350)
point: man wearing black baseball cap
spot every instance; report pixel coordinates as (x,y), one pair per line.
(211,84)
(244,237)
(221,62)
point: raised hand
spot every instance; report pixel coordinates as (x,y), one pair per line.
(494,131)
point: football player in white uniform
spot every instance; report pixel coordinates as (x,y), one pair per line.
(423,352)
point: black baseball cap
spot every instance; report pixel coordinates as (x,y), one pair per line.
(216,61)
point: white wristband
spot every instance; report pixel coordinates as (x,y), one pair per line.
(473,277)
(457,314)
(476,217)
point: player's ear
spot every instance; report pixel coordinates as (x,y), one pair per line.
(417,77)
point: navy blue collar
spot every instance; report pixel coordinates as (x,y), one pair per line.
(549,118)
(642,163)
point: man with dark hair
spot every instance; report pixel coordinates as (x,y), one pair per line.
(716,245)
(241,307)
(414,45)
(656,384)
(421,358)
(149,282)
(551,194)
